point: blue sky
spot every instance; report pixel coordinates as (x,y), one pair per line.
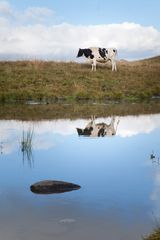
(54,29)
(145,12)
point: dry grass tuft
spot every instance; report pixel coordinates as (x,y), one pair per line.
(154,236)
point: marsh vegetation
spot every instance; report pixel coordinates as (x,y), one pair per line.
(155,235)
(26,146)
(73,111)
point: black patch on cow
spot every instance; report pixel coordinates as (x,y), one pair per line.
(91,56)
(84,132)
(114,50)
(101,132)
(102,52)
(86,52)
(87,131)
(106,51)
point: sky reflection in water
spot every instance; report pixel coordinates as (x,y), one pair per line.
(120,195)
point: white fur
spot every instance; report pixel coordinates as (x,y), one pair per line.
(110,56)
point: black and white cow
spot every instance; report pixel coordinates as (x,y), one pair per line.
(99,129)
(101,55)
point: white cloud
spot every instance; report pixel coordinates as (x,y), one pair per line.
(5,8)
(62,41)
(3,22)
(133,125)
(39,14)
(28,16)
(33,33)
(45,131)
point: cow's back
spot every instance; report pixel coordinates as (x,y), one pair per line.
(96,53)
(111,52)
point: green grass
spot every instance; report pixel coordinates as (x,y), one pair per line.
(53,81)
(73,111)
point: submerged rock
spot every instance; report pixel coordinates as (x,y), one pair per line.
(51,186)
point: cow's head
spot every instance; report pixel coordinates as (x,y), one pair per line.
(80,52)
(85,131)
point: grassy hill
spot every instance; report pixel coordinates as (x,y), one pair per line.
(52,81)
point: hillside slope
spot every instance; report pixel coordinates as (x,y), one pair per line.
(50,81)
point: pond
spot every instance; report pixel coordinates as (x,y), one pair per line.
(119,175)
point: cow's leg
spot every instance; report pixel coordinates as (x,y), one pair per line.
(93,121)
(94,65)
(114,67)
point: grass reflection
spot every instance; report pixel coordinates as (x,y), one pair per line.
(26,146)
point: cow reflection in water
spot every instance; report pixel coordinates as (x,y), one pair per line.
(99,129)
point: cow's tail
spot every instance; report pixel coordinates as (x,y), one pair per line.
(80,52)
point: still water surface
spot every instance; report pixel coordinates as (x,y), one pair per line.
(119,176)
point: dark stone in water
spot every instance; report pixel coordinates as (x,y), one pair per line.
(51,186)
